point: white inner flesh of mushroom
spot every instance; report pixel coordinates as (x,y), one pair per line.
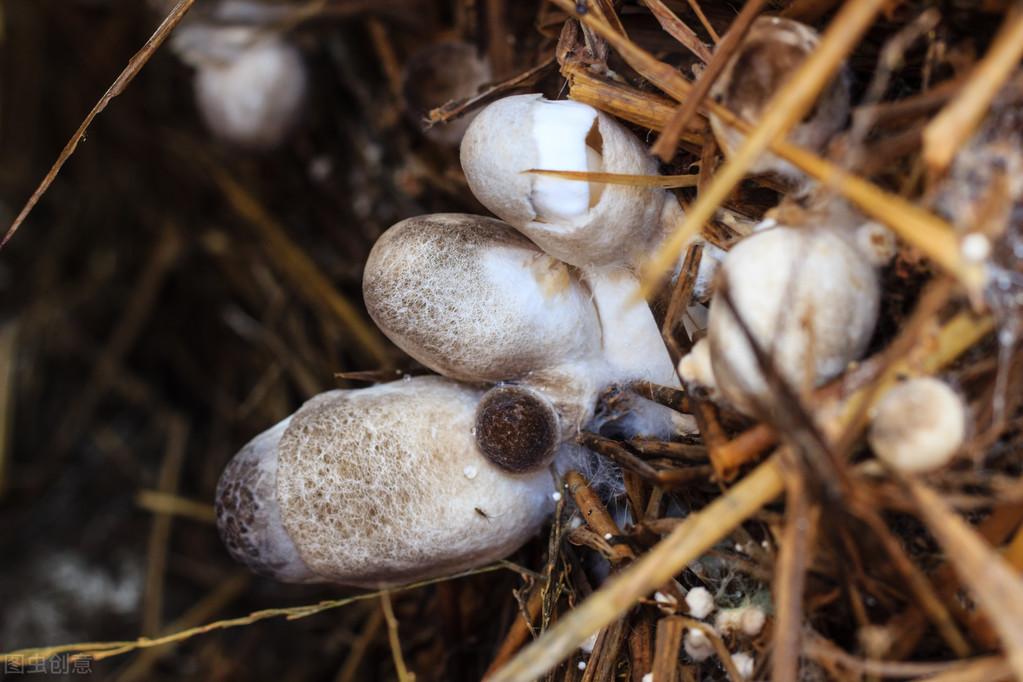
(560,132)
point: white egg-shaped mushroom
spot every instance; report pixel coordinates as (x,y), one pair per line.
(809,299)
(250,85)
(769,54)
(918,425)
(578,222)
(474,300)
(382,486)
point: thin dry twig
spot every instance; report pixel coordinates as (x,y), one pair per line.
(667,142)
(678,29)
(789,105)
(395,641)
(100,650)
(135,65)
(790,575)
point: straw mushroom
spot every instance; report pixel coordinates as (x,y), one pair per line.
(581,223)
(770,52)
(376,487)
(250,86)
(918,425)
(809,299)
(474,300)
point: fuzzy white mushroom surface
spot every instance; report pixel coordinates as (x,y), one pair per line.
(697,645)
(378,486)
(809,299)
(918,425)
(578,222)
(695,367)
(249,86)
(474,300)
(700,602)
(770,52)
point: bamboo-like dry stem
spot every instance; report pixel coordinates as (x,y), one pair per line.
(991,580)
(920,228)
(665,145)
(950,129)
(695,535)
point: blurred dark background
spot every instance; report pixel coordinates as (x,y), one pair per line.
(171,296)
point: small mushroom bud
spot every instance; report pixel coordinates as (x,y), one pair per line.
(376,487)
(809,299)
(747,620)
(249,86)
(699,602)
(770,52)
(578,222)
(744,663)
(876,242)
(697,645)
(918,425)
(517,428)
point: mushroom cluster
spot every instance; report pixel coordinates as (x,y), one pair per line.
(527,317)
(525,320)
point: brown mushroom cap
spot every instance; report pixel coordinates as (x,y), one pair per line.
(517,429)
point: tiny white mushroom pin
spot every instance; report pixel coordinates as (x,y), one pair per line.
(375,487)
(808,297)
(918,425)
(249,85)
(767,57)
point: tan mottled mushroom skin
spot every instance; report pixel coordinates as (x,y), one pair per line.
(474,300)
(385,485)
(810,299)
(499,147)
(770,53)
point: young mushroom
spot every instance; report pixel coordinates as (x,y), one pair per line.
(767,57)
(581,223)
(918,425)
(809,299)
(250,84)
(474,300)
(376,487)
